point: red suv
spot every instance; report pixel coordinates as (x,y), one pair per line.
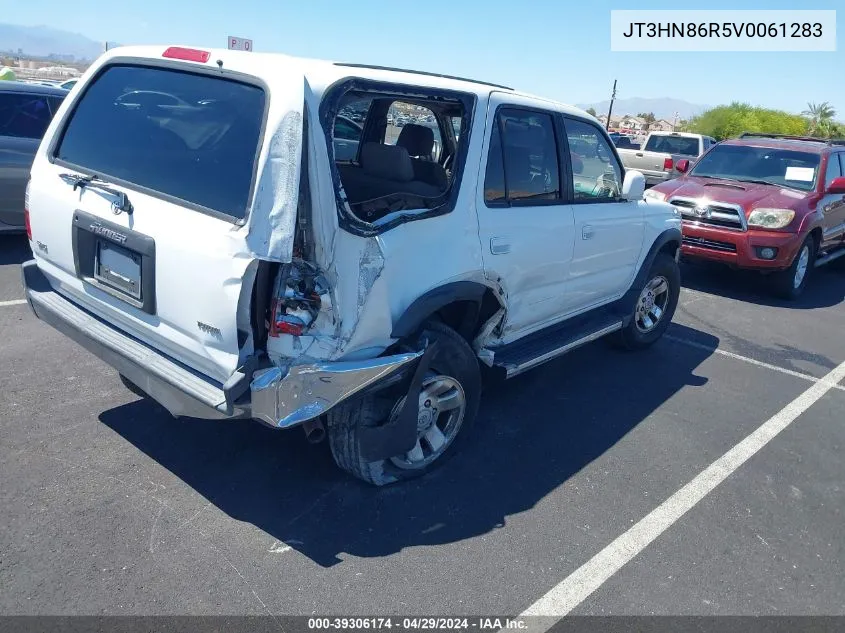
(761,201)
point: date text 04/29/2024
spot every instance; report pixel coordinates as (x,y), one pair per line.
(417,623)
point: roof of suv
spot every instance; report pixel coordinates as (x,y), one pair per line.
(37,89)
(323,73)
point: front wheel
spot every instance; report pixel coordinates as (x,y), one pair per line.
(655,305)
(790,283)
(447,406)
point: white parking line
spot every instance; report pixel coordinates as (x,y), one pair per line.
(746,359)
(13,302)
(574,589)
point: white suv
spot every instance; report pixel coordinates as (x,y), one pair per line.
(192,226)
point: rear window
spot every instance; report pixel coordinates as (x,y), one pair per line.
(193,137)
(685,145)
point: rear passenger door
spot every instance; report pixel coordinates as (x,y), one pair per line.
(526,226)
(608,229)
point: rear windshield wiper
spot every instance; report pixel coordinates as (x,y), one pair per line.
(95,182)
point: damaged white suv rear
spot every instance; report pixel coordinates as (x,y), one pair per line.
(335,246)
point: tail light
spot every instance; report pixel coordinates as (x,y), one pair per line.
(26,212)
(668,164)
(301,296)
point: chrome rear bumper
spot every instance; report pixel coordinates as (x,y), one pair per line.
(280,398)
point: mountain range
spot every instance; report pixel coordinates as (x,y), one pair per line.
(663,108)
(43,41)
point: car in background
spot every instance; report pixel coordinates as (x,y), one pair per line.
(67,85)
(661,151)
(26,110)
(770,203)
(347,136)
(625,142)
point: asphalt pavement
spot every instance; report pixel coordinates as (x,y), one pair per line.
(113,507)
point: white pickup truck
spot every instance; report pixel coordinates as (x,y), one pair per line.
(660,153)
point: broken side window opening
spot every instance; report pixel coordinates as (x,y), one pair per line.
(398,152)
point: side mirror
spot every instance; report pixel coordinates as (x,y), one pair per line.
(837,185)
(682,165)
(633,187)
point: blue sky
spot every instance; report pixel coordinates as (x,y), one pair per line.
(556,48)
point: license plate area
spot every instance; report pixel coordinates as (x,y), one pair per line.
(115,260)
(119,268)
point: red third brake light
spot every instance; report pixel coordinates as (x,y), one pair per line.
(187,54)
(668,164)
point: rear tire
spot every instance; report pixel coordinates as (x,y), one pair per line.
(789,284)
(655,306)
(454,371)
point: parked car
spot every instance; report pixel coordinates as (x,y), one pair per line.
(661,151)
(626,142)
(252,276)
(67,85)
(764,202)
(347,134)
(25,112)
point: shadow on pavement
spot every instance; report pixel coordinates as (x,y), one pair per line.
(533,433)
(825,288)
(14,249)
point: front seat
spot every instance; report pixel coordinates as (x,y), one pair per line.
(419,141)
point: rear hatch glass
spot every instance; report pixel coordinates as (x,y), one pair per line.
(188,137)
(684,145)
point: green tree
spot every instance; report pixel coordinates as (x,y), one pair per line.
(591,111)
(648,117)
(821,118)
(731,120)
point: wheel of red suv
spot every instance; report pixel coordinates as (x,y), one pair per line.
(448,404)
(655,305)
(790,283)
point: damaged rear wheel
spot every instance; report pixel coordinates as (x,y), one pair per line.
(447,407)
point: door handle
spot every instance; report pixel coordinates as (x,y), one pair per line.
(587,232)
(499,246)
(639,154)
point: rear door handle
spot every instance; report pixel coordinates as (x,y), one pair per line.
(499,246)
(639,154)
(587,232)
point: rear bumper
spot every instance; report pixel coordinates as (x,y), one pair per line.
(739,248)
(281,398)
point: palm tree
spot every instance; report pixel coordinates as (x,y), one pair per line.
(821,115)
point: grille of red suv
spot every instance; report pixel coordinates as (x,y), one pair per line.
(700,242)
(710,213)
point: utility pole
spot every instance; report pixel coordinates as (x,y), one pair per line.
(675,121)
(610,109)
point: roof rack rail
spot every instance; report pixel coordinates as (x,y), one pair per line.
(789,137)
(422,72)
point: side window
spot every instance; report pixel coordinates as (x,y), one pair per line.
(420,143)
(24,116)
(522,162)
(834,169)
(596,174)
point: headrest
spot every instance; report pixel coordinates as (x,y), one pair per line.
(417,139)
(390,162)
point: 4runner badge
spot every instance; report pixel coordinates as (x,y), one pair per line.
(108,233)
